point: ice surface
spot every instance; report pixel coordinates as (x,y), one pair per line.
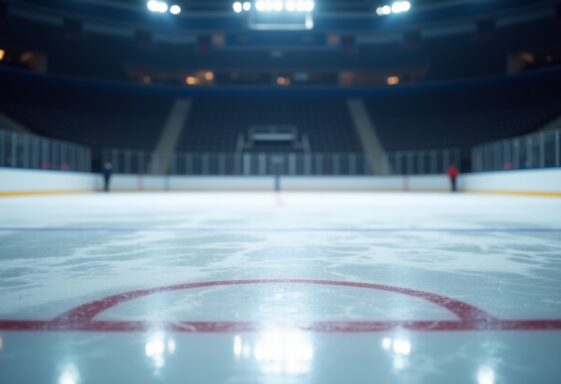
(500,254)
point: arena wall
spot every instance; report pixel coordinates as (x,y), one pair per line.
(534,181)
(25,181)
(538,182)
(287,183)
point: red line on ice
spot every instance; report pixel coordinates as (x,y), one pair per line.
(470,318)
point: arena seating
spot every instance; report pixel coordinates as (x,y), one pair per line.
(416,119)
(215,123)
(91,117)
(455,119)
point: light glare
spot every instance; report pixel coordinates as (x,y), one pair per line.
(237,6)
(175,9)
(209,76)
(395,7)
(171,346)
(70,375)
(278,5)
(392,80)
(290,5)
(281,6)
(284,352)
(281,352)
(154,347)
(301,6)
(238,346)
(486,376)
(157,6)
(402,347)
(386,343)
(268,6)
(192,80)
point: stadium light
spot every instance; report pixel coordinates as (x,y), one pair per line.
(392,80)
(290,5)
(175,9)
(209,75)
(237,6)
(385,10)
(276,6)
(267,5)
(283,81)
(396,7)
(401,6)
(192,80)
(157,6)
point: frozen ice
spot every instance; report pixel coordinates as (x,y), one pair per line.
(499,254)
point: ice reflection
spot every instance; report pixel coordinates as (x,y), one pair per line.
(157,347)
(400,348)
(277,351)
(486,375)
(69,375)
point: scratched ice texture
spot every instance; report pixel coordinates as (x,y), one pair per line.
(501,254)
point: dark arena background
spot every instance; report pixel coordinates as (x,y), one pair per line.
(280,191)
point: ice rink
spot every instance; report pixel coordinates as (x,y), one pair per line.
(326,288)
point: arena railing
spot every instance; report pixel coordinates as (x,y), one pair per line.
(536,150)
(257,164)
(25,150)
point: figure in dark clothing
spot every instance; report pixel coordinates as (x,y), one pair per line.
(107,171)
(453,175)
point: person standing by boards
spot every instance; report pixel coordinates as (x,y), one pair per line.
(453,176)
(107,171)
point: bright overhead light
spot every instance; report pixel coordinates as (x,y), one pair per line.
(392,80)
(396,7)
(237,6)
(290,5)
(152,6)
(278,5)
(401,6)
(157,6)
(209,75)
(283,81)
(486,375)
(268,5)
(175,9)
(281,5)
(192,80)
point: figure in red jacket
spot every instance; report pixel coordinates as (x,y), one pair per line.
(453,175)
